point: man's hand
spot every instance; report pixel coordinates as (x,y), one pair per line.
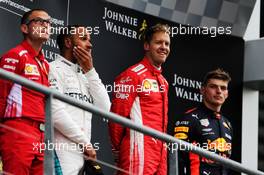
(84,58)
(89,151)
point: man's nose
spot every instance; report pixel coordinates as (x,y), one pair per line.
(218,89)
(89,44)
(163,45)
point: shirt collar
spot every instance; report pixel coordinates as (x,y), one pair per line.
(74,67)
(152,68)
(31,51)
(211,112)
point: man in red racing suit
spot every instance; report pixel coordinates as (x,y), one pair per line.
(22,110)
(17,100)
(141,95)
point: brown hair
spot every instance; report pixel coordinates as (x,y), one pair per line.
(25,17)
(219,74)
(156,28)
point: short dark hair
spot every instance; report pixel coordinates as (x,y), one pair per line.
(25,17)
(219,74)
(64,33)
(156,28)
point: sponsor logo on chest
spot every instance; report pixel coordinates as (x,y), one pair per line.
(150,85)
(31,69)
(182,123)
(204,122)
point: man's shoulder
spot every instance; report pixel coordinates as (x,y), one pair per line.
(17,51)
(190,118)
(195,111)
(59,64)
(192,114)
(134,70)
(57,69)
(54,63)
(137,68)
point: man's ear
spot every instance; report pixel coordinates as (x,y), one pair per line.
(24,28)
(202,90)
(227,94)
(146,46)
(68,43)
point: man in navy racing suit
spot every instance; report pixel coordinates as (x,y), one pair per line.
(205,126)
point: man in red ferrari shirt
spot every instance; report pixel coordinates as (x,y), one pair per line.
(22,111)
(141,95)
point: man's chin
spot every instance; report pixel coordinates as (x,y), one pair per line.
(44,37)
(218,103)
(162,60)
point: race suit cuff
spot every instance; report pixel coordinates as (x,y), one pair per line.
(92,74)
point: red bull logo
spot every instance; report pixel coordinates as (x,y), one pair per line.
(219,144)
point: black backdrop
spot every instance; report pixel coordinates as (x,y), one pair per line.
(191,57)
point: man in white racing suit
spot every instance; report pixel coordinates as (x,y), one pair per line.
(73,74)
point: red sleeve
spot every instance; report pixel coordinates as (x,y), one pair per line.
(10,62)
(194,163)
(123,97)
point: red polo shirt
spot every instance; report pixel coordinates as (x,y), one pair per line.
(16,100)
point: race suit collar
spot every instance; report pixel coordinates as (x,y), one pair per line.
(211,113)
(74,67)
(32,52)
(152,68)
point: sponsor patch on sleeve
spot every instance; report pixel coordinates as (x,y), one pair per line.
(138,68)
(181,136)
(184,122)
(181,129)
(22,52)
(11,60)
(8,67)
(125,79)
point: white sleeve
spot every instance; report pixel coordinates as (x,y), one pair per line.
(62,120)
(98,90)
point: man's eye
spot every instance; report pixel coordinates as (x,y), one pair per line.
(223,88)
(213,86)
